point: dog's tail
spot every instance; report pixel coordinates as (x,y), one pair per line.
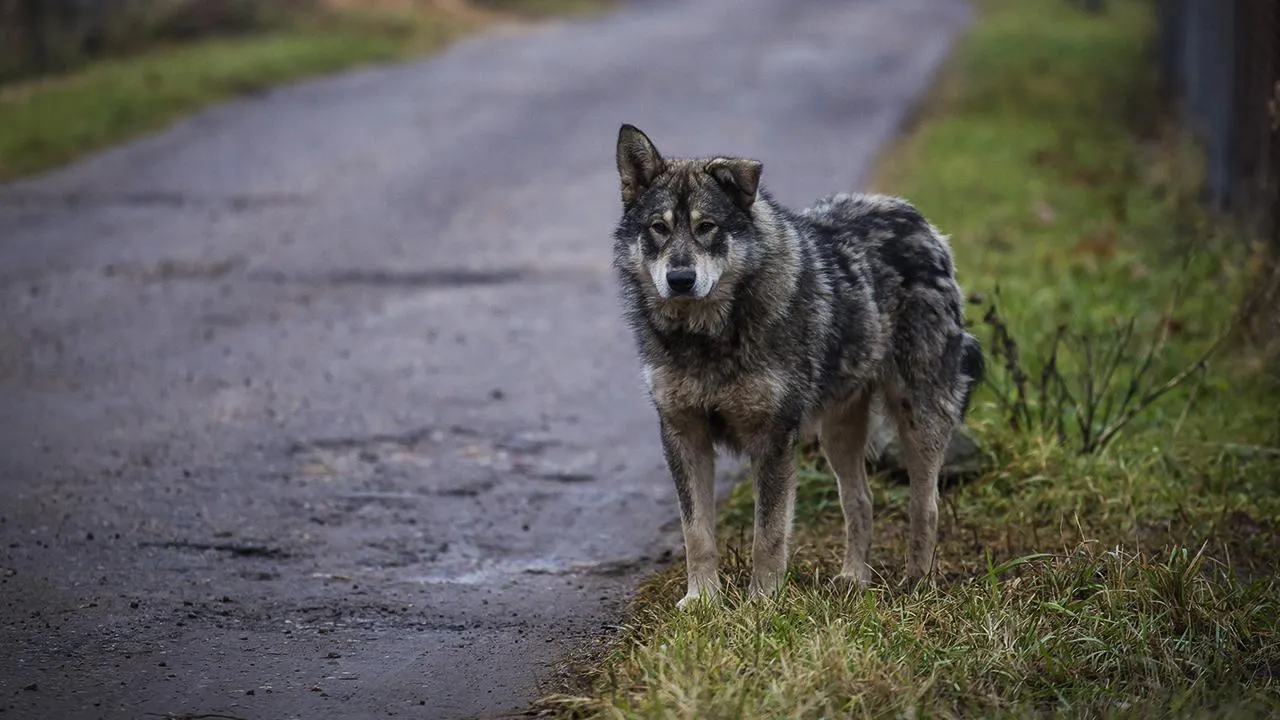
(973,368)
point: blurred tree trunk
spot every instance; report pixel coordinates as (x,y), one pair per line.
(35,20)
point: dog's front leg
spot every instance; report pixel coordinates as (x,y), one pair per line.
(691,459)
(775,495)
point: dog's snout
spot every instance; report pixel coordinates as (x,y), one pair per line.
(681,280)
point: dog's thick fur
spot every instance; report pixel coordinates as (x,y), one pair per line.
(793,323)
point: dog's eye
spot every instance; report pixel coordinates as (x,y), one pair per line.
(660,228)
(705,227)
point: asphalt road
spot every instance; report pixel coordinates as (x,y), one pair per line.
(319,404)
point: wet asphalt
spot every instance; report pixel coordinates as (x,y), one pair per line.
(319,403)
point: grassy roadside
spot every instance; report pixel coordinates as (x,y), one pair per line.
(50,121)
(1115,560)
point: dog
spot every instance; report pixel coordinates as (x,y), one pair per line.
(758,326)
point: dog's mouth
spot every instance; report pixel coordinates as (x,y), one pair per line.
(687,298)
(704,292)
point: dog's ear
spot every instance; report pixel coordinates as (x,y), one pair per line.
(738,177)
(638,163)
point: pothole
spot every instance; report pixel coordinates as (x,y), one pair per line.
(172,269)
(439,462)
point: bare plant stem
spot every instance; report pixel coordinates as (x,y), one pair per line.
(1201,363)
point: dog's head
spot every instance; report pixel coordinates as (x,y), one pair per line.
(687,222)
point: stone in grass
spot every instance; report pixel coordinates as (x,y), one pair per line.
(963,459)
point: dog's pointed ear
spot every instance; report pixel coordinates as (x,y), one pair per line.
(638,163)
(738,177)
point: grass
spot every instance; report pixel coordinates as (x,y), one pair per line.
(50,121)
(541,8)
(1133,580)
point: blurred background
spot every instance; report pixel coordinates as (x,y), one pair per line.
(1222,60)
(45,36)
(1219,58)
(125,67)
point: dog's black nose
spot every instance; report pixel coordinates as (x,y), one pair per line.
(681,280)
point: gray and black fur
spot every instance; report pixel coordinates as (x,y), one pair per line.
(758,325)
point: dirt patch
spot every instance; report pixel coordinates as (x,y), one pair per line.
(176,269)
(374,462)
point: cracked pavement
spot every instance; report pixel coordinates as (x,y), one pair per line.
(320,404)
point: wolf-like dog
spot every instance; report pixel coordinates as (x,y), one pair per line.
(758,325)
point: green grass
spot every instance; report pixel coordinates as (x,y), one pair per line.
(47,122)
(541,8)
(1137,580)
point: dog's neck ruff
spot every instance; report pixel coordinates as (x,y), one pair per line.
(708,316)
(779,278)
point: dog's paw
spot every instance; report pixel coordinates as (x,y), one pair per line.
(691,600)
(856,580)
(702,588)
(762,588)
(859,578)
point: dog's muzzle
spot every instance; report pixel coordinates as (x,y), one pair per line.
(682,281)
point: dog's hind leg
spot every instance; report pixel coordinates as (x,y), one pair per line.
(691,460)
(924,428)
(774,466)
(844,443)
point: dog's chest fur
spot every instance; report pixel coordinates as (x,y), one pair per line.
(737,407)
(758,376)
